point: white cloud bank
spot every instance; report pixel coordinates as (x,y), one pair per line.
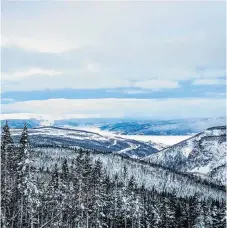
(157,84)
(20,75)
(111,44)
(209,82)
(113,107)
(39,79)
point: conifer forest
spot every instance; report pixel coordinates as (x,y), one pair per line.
(78,191)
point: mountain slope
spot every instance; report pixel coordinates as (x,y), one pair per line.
(202,154)
(151,176)
(88,140)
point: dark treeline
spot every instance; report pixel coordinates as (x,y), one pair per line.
(80,194)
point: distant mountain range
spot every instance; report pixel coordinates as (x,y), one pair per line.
(127,126)
(163,127)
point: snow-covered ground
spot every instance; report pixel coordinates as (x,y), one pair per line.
(202,154)
(105,142)
(163,139)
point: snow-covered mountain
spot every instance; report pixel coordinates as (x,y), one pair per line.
(89,140)
(203,154)
(151,176)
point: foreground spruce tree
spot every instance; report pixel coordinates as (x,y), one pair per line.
(6,169)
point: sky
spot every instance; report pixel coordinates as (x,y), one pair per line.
(113,59)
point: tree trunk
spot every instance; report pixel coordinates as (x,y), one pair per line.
(87,221)
(21,216)
(3,219)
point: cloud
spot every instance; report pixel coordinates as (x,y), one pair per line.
(77,80)
(49,117)
(209,82)
(118,45)
(7,100)
(211,73)
(133,91)
(215,94)
(62,26)
(87,77)
(30,72)
(157,84)
(113,107)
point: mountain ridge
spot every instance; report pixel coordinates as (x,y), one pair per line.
(199,154)
(145,173)
(89,140)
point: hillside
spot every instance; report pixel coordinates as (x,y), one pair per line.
(88,140)
(61,185)
(203,154)
(149,175)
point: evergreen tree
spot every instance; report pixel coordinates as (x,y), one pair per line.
(207,214)
(53,197)
(181,213)
(109,199)
(6,138)
(218,215)
(193,210)
(6,177)
(64,191)
(23,177)
(98,195)
(24,136)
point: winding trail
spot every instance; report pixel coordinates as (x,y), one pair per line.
(131,147)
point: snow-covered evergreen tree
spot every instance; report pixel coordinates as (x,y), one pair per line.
(7,157)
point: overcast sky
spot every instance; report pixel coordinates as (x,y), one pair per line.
(133,59)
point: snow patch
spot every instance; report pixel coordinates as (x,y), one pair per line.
(188,149)
(203,170)
(167,140)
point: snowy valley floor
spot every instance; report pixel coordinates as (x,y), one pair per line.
(168,140)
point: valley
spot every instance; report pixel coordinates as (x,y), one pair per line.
(89,140)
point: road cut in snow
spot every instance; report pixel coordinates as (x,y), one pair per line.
(114,143)
(131,147)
